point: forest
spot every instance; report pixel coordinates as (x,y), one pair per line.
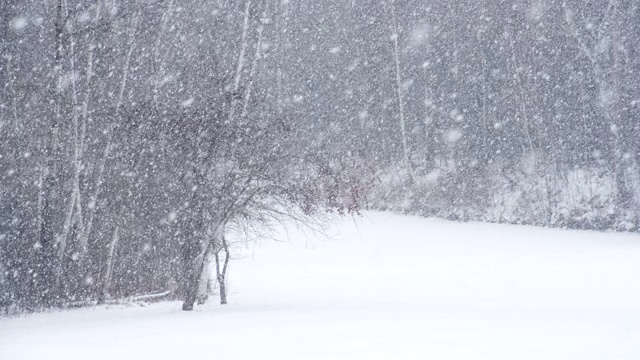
(139,136)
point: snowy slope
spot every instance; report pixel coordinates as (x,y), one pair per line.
(388,287)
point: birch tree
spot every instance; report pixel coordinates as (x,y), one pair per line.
(399,92)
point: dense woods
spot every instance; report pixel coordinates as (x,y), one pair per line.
(506,111)
(137,135)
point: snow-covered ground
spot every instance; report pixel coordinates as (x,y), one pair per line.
(388,287)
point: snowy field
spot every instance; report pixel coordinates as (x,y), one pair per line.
(387,287)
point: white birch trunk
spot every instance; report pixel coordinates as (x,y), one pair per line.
(252,73)
(429,104)
(280,43)
(62,238)
(83,237)
(403,125)
(74,203)
(203,285)
(240,64)
(158,59)
(111,255)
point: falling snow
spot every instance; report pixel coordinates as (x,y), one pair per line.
(146,145)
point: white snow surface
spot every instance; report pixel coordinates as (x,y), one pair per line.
(386,287)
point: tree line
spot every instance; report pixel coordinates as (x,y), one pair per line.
(138,136)
(521,111)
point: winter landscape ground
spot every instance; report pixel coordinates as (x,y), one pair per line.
(384,287)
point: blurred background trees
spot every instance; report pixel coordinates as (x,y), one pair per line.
(136,134)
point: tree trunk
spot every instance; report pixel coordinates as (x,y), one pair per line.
(634,89)
(252,74)
(615,108)
(104,294)
(193,284)
(51,185)
(203,286)
(221,273)
(195,254)
(280,28)
(429,105)
(223,290)
(235,97)
(83,237)
(159,60)
(399,85)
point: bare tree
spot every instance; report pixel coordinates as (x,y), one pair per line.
(608,66)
